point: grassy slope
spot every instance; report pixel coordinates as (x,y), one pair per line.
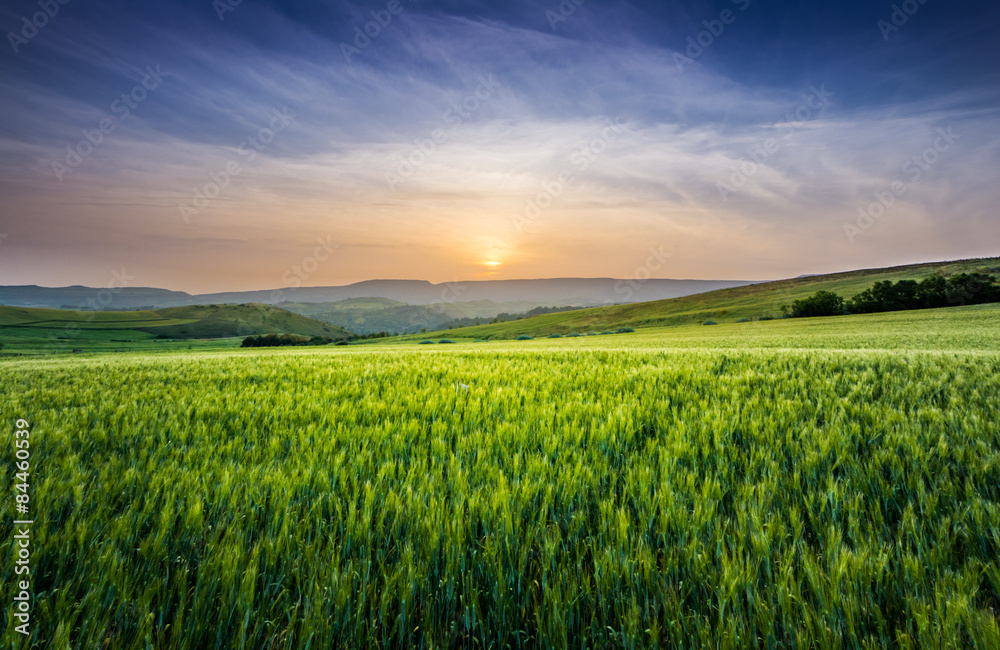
(34,331)
(956,329)
(222,321)
(49,318)
(368,315)
(726,305)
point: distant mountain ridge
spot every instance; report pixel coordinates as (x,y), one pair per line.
(578,292)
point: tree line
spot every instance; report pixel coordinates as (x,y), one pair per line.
(283,340)
(930,293)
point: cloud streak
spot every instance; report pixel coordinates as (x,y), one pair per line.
(683,131)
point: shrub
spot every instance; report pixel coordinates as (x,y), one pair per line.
(710,322)
(525,337)
(277,340)
(282,340)
(591,333)
(447,341)
(821,303)
(574,335)
(606,332)
(743,320)
(342,343)
(886,296)
(425,342)
(766,318)
(625,330)
(555,336)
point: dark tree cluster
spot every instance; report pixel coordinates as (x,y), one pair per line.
(935,291)
(374,335)
(822,303)
(931,293)
(283,340)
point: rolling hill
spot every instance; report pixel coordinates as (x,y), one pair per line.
(726,305)
(370,315)
(224,321)
(574,292)
(26,330)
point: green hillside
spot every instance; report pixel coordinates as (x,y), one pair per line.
(223,321)
(724,306)
(40,331)
(370,315)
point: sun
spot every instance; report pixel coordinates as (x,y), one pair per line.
(493,264)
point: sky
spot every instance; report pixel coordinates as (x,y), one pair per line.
(253,144)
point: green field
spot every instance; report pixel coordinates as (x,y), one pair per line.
(35,332)
(830,483)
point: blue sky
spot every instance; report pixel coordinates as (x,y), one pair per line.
(474,140)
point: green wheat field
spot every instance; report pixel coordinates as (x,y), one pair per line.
(808,483)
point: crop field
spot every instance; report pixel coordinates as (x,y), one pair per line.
(787,486)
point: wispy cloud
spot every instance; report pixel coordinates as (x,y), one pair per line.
(683,132)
